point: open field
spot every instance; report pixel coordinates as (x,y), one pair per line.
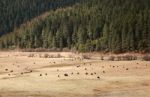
(24,74)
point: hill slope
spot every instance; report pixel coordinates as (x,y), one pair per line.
(15,12)
(93,25)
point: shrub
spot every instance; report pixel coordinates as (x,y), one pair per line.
(111,58)
(86,57)
(134,58)
(146,58)
(127,58)
(58,56)
(102,57)
(31,55)
(46,55)
(119,58)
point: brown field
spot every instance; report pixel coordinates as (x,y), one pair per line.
(24,74)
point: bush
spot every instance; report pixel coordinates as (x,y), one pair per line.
(118,58)
(146,58)
(134,58)
(46,55)
(31,55)
(58,56)
(102,57)
(127,58)
(111,58)
(86,57)
(82,48)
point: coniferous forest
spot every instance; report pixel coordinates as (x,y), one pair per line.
(15,12)
(84,25)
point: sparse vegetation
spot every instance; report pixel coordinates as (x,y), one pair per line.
(122,58)
(127,57)
(46,55)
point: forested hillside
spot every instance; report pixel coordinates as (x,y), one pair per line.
(91,25)
(15,12)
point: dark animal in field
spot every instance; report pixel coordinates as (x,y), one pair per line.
(86,73)
(11,71)
(104,72)
(78,66)
(136,67)
(98,77)
(65,74)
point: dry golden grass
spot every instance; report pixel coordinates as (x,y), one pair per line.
(26,74)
